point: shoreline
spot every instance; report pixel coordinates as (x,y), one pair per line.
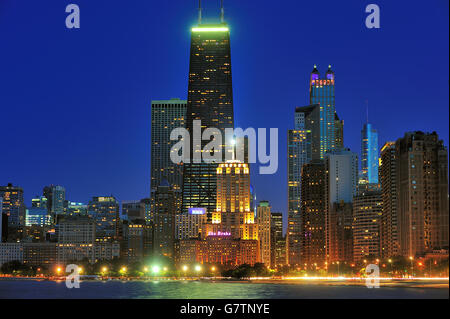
(436,283)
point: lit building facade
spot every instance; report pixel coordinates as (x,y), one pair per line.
(422,187)
(263,219)
(299,154)
(164,220)
(367,214)
(322,92)
(313,246)
(132,210)
(390,246)
(138,241)
(56,196)
(167,115)
(277,241)
(37,216)
(189,226)
(13,205)
(341,181)
(369,154)
(104,210)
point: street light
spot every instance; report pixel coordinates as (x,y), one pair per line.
(198,268)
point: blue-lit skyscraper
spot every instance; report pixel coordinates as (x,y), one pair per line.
(369,154)
(321,92)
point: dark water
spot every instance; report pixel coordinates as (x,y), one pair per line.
(206,290)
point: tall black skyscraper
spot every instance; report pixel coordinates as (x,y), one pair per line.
(210,99)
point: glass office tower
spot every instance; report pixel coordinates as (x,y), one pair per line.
(369,154)
(322,93)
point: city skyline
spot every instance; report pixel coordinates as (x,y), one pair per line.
(117,167)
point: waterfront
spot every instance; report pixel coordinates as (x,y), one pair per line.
(152,289)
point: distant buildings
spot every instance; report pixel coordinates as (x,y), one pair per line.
(13,205)
(104,210)
(75,209)
(56,196)
(263,219)
(133,210)
(369,154)
(37,216)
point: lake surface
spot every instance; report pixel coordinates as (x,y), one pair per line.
(31,289)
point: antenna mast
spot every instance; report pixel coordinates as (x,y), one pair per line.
(199,11)
(367,111)
(222,12)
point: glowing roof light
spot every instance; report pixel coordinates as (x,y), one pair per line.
(213,29)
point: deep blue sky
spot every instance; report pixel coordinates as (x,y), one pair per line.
(75,104)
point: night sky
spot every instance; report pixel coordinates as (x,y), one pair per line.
(75,104)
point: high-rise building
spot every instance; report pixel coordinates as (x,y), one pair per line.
(210,99)
(13,205)
(312,251)
(339,131)
(137,241)
(321,92)
(105,212)
(422,188)
(233,212)
(230,236)
(277,241)
(367,214)
(37,216)
(164,220)
(389,221)
(369,154)
(39,201)
(263,219)
(146,210)
(76,230)
(77,241)
(189,226)
(341,180)
(167,115)
(299,154)
(75,208)
(56,196)
(133,210)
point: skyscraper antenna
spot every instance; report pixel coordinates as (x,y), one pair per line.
(222,12)
(367,111)
(199,11)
